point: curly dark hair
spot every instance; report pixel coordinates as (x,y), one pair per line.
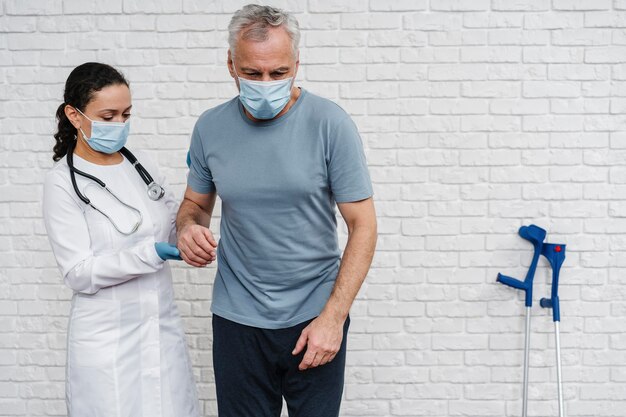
(82,83)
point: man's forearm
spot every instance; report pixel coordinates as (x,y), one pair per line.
(191,213)
(355,264)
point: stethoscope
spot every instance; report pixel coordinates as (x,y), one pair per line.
(155,191)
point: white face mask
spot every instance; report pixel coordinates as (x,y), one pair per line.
(264,99)
(106,137)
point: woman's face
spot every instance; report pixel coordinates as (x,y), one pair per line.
(111,104)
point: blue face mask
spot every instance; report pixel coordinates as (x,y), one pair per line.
(106,137)
(264,99)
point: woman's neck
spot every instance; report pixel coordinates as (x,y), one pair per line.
(99,158)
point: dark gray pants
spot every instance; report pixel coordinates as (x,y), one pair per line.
(254,370)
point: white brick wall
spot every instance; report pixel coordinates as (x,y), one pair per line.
(477,116)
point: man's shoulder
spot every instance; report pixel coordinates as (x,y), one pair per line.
(325,109)
(220,113)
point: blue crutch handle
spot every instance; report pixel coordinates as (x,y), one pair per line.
(552,303)
(520,285)
(535,235)
(511,282)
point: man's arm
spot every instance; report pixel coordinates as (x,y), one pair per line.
(323,336)
(195,240)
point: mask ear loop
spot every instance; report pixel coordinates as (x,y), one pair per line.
(84,137)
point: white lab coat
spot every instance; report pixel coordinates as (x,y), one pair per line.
(126,349)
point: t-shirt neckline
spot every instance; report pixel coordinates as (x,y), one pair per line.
(271,122)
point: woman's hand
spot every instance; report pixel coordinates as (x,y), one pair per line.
(167,251)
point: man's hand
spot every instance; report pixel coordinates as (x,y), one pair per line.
(195,241)
(197,245)
(322,339)
(323,336)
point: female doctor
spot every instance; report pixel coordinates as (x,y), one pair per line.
(109,221)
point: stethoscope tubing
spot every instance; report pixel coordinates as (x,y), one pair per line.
(155,191)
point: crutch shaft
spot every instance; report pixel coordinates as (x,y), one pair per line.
(526,364)
(559,379)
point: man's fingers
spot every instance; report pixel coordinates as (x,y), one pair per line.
(307,361)
(191,254)
(190,261)
(300,344)
(198,244)
(196,247)
(319,360)
(327,359)
(209,237)
(201,247)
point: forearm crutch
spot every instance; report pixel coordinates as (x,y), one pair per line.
(534,235)
(555,253)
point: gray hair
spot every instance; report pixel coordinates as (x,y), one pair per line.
(253,22)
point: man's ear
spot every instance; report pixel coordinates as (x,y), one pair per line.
(231,65)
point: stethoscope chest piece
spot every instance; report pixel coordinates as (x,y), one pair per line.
(155,191)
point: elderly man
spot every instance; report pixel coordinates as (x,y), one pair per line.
(279,158)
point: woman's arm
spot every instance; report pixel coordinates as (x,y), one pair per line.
(69,237)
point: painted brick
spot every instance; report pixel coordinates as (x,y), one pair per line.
(477,116)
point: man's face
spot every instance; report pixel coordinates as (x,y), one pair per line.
(270,60)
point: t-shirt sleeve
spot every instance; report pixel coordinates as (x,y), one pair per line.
(200,178)
(347,168)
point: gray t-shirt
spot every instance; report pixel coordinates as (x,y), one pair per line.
(278,180)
